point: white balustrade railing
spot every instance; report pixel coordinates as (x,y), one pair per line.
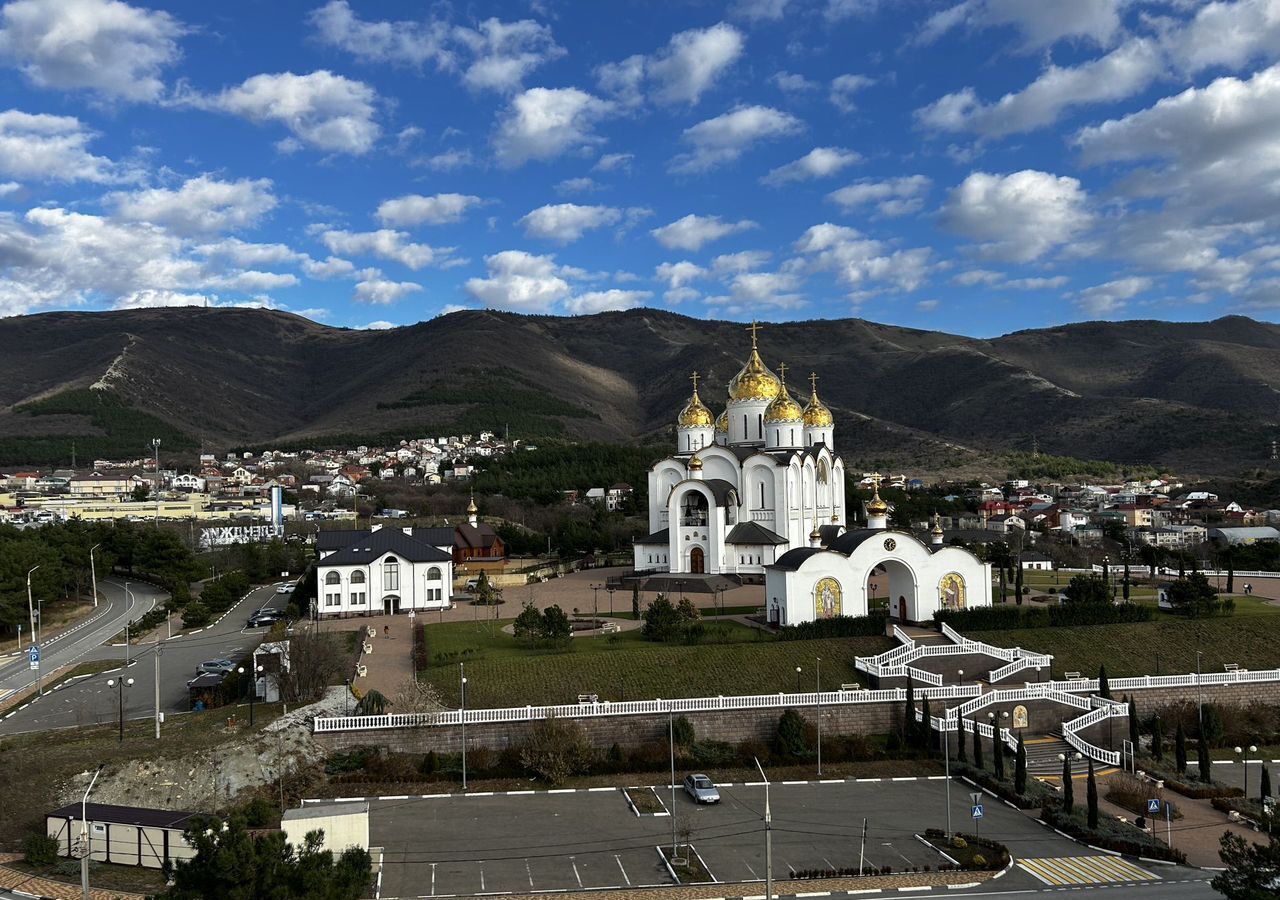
(1017,695)
(930,678)
(637,707)
(1031,661)
(1242,676)
(1094,752)
(902,635)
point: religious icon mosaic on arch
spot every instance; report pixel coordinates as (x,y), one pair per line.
(951,591)
(828,599)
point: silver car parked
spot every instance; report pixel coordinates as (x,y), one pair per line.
(701,788)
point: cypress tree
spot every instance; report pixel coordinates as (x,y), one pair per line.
(928,744)
(1020,768)
(997,751)
(962,754)
(909,731)
(1068,789)
(1104,686)
(1180,750)
(1264,791)
(1202,752)
(977,748)
(1091,798)
(1133,724)
(1157,739)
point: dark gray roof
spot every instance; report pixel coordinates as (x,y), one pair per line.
(830,532)
(753,533)
(125,815)
(850,540)
(338,538)
(720,489)
(658,537)
(436,536)
(793,559)
(386,540)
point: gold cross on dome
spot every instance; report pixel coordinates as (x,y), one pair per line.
(876,478)
(754,329)
(782,371)
(813,381)
(694,378)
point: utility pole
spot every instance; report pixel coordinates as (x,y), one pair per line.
(93,573)
(862,848)
(463,693)
(768,838)
(818,680)
(157,687)
(32,615)
(155,442)
(85,843)
(671,737)
(946,755)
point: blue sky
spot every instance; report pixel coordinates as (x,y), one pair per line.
(977,166)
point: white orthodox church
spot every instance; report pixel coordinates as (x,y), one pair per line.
(759,494)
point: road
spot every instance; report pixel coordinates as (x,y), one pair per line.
(90,701)
(522,843)
(117,607)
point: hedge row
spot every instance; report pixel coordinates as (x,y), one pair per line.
(999,618)
(835,627)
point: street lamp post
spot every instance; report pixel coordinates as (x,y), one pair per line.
(31,613)
(463,693)
(85,843)
(1240,751)
(671,740)
(93,572)
(768,837)
(610,589)
(1199,700)
(797,679)
(120,684)
(595,606)
(946,756)
(253,687)
(960,674)
(818,684)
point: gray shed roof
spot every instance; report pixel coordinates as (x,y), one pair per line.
(753,533)
(126,815)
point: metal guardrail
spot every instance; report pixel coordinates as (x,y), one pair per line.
(636,707)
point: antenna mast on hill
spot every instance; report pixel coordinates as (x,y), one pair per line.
(1035,445)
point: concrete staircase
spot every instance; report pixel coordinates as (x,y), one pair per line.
(1042,754)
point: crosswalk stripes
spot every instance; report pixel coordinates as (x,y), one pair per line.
(1084,870)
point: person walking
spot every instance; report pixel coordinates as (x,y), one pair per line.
(386,632)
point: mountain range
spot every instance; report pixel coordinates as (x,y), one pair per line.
(1194,397)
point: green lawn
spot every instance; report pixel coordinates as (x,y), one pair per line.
(500,672)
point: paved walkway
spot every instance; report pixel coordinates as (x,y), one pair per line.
(12,879)
(390,665)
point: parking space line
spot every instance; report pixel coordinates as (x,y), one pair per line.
(528,871)
(625,877)
(575,872)
(433,879)
(482,874)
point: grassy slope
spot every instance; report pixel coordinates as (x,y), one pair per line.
(503,674)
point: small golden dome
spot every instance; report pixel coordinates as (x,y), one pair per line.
(695,413)
(722,423)
(816,414)
(784,408)
(754,381)
(876,506)
(471,507)
(937,525)
(695,464)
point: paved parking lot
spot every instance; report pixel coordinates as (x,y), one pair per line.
(542,842)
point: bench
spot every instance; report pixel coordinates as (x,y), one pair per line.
(1232,667)
(588,699)
(1072,676)
(851,687)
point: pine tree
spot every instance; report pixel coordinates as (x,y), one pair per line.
(977,748)
(997,752)
(1180,750)
(1068,789)
(1157,739)
(1091,798)
(1133,723)
(1202,752)
(1020,769)
(1104,686)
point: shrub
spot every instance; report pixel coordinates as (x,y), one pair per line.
(196,615)
(835,627)
(682,732)
(40,849)
(979,859)
(996,618)
(959,843)
(556,750)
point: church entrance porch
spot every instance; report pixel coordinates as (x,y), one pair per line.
(894,583)
(697,561)
(391,604)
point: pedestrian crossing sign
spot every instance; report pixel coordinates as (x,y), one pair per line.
(977,810)
(1153,806)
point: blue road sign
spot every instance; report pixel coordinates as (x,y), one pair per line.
(33,656)
(1153,806)
(977,810)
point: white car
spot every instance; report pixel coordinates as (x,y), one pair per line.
(701,789)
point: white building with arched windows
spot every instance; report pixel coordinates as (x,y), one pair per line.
(386,570)
(742,490)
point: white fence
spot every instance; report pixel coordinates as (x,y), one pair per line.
(1069,729)
(1017,695)
(1030,661)
(1240,676)
(637,708)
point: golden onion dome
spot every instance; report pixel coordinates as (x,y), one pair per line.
(754,381)
(784,408)
(471,507)
(722,423)
(876,506)
(695,413)
(816,414)
(937,525)
(695,464)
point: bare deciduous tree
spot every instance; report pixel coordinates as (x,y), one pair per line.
(316,661)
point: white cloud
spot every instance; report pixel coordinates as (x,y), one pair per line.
(690,65)
(849,9)
(322,110)
(543,123)
(384,244)
(1041,24)
(504,53)
(41,147)
(750,290)
(692,231)
(892,197)
(743,261)
(415,209)
(1226,34)
(927,305)
(378,325)
(1119,74)
(378,290)
(1111,297)
(401,43)
(614,162)
(567,222)
(861,263)
(612,300)
(202,205)
(726,137)
(580,185)
(977,276)
(679,274)
(105,46)
(330,267)
(843,89)
(1034,284)
(760,10)
(820,162)
(149,298)
(520,281)
(1019,217)
(793,83)
(693,61)
(676,296)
